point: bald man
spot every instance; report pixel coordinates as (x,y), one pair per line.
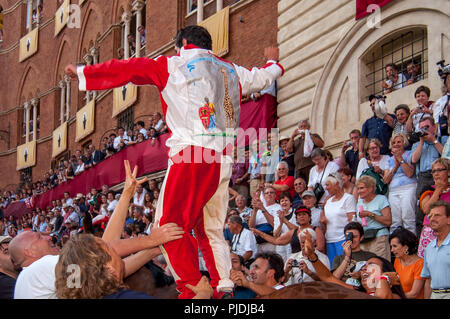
(37,256)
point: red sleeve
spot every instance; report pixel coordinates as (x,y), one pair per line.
(116,73)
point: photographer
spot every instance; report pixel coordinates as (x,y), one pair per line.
(440,107)
(298,268)
(349,157)
(377,127)
(423,154)
(424,109)
(346,266)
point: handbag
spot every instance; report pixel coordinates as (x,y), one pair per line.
(370,234)
(381,187)
(318,188)
(265,228)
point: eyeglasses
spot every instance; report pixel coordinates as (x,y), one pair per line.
(267,193)
(438,170)
(298,184)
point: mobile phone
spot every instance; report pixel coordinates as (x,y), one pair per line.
(349,236)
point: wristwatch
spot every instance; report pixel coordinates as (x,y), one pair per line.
(435,141)
(402,162)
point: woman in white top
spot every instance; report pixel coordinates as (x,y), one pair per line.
(339,210)
(320,171)
(379,162)
(285,215)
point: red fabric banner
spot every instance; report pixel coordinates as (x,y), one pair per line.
(362,7)
(254,114)
(111,170)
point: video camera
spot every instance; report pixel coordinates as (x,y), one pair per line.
(444,70)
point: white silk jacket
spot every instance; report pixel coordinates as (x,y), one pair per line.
(200,93)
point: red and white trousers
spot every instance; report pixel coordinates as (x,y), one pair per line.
(194,195)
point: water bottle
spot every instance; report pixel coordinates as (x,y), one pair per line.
(363,219)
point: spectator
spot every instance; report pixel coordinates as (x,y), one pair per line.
(263,215)
(101,271)
(423,154)
(303,163)
(112,202)
(377,160)
(297,268)
(242,209)
(437,254)
(375,127)
(239,175)
(339,210)
(387,286)
(394,79)
(138,214)
(402,185)
(8,274)
(121,140)
(35,254)
(80,167)
(69,201)
(424,109)
(413,73)
(132,44)
(302,222)
(159,124)
(439,191)
(243,242)
(287,156)
(140,126)
(269,160)
(254,168)
(440,107)
(402,114)
(350,157)
(285,216)
(96,155)
(59,219)
(374,213)
(266,273)
(237,264)
(139,197)
(310,201)
(347,266)
(348,186)
(104,205)
(299,187)
(141,30)
(407,264)
(285,183)
(319,173)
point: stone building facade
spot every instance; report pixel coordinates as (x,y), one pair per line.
(334,62)
(37,85)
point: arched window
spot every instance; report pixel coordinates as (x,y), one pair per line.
(405,51)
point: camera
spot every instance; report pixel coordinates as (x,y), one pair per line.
(420,133)
(349,143)
(444,70)
(295,263)
(349,236)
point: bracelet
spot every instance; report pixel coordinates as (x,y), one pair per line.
(315,260)
(385,278)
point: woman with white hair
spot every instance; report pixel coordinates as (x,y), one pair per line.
(298,268)
(319,173)
(374,214)
(339,210)
(402,182)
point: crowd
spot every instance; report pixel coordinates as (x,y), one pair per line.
(377,213)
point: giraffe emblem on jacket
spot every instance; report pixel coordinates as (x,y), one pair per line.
(227,103)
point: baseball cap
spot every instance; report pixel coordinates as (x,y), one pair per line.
(308,193)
